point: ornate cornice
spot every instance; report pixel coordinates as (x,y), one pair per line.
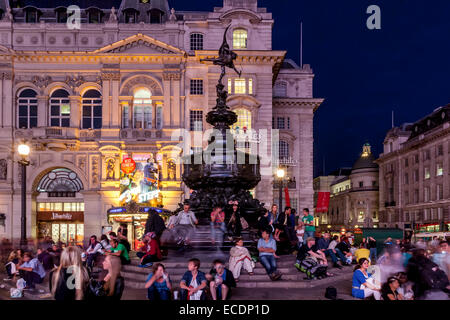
(298,102)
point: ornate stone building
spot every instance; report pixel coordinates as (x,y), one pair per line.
(120,86)
(354,196)
(415,174)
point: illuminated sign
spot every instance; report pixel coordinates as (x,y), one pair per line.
(139,179)
(128,165)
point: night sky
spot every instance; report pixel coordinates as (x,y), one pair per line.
(363,74)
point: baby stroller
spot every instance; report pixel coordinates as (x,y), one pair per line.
(312,268)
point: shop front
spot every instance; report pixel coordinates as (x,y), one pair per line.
(133,219)
(60,207)
(61,222)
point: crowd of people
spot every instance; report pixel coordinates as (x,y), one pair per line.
(405,271)
(402,272)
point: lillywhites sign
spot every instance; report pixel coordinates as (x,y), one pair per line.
(61,216)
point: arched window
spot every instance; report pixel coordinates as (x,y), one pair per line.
(94,15)
(244,121)
(283,150)
(142,109)
(32,15)
(92,110)
(61,15)
(27,109)
(130,15)
(240,39)
(196,41)
(155,15)
(280,89)
(60,109)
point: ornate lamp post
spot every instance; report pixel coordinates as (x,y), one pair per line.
(280,174)
(24,151)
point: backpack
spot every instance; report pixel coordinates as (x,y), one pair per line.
(433,277)
(331,293)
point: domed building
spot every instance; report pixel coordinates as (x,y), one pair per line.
(354,196)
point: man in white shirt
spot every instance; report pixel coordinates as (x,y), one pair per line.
(184,224)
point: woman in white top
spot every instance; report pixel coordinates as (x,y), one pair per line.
(240,258)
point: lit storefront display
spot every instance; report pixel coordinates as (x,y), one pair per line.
(59,207)
(61,221)
(139,192)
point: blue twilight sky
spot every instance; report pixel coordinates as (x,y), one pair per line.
(364,75)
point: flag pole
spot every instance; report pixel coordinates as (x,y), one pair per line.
(301,44)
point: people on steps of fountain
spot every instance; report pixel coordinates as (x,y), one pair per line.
(119,250)
(240,258)
(234,225)
(217,223)
(308,221)
(150,251)
(158,284)
(221,280)
(193,283)
(184,225)
(267,248)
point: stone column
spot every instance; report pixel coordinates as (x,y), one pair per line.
(175,111)
(75,111)
(93,214)
(106,84)
(164,167)
(8,113)
(114,103)
(167,99)
(305,154)
(43,111)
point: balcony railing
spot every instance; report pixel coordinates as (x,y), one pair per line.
(390,204)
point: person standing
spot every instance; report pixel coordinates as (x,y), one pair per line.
(372,246)
(155,224)
(308,221)
(442,257)
(234,224)
(217,224)
(267,248)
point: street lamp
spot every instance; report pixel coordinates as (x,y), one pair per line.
(24,151)
(280,175)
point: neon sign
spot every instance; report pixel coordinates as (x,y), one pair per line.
(141,184)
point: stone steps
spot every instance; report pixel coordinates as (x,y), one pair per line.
(135,277)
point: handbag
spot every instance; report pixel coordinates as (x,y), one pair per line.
(244,223)
(96,288)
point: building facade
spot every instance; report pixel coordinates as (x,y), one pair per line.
(415,174)
(122,85)
(353,195)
